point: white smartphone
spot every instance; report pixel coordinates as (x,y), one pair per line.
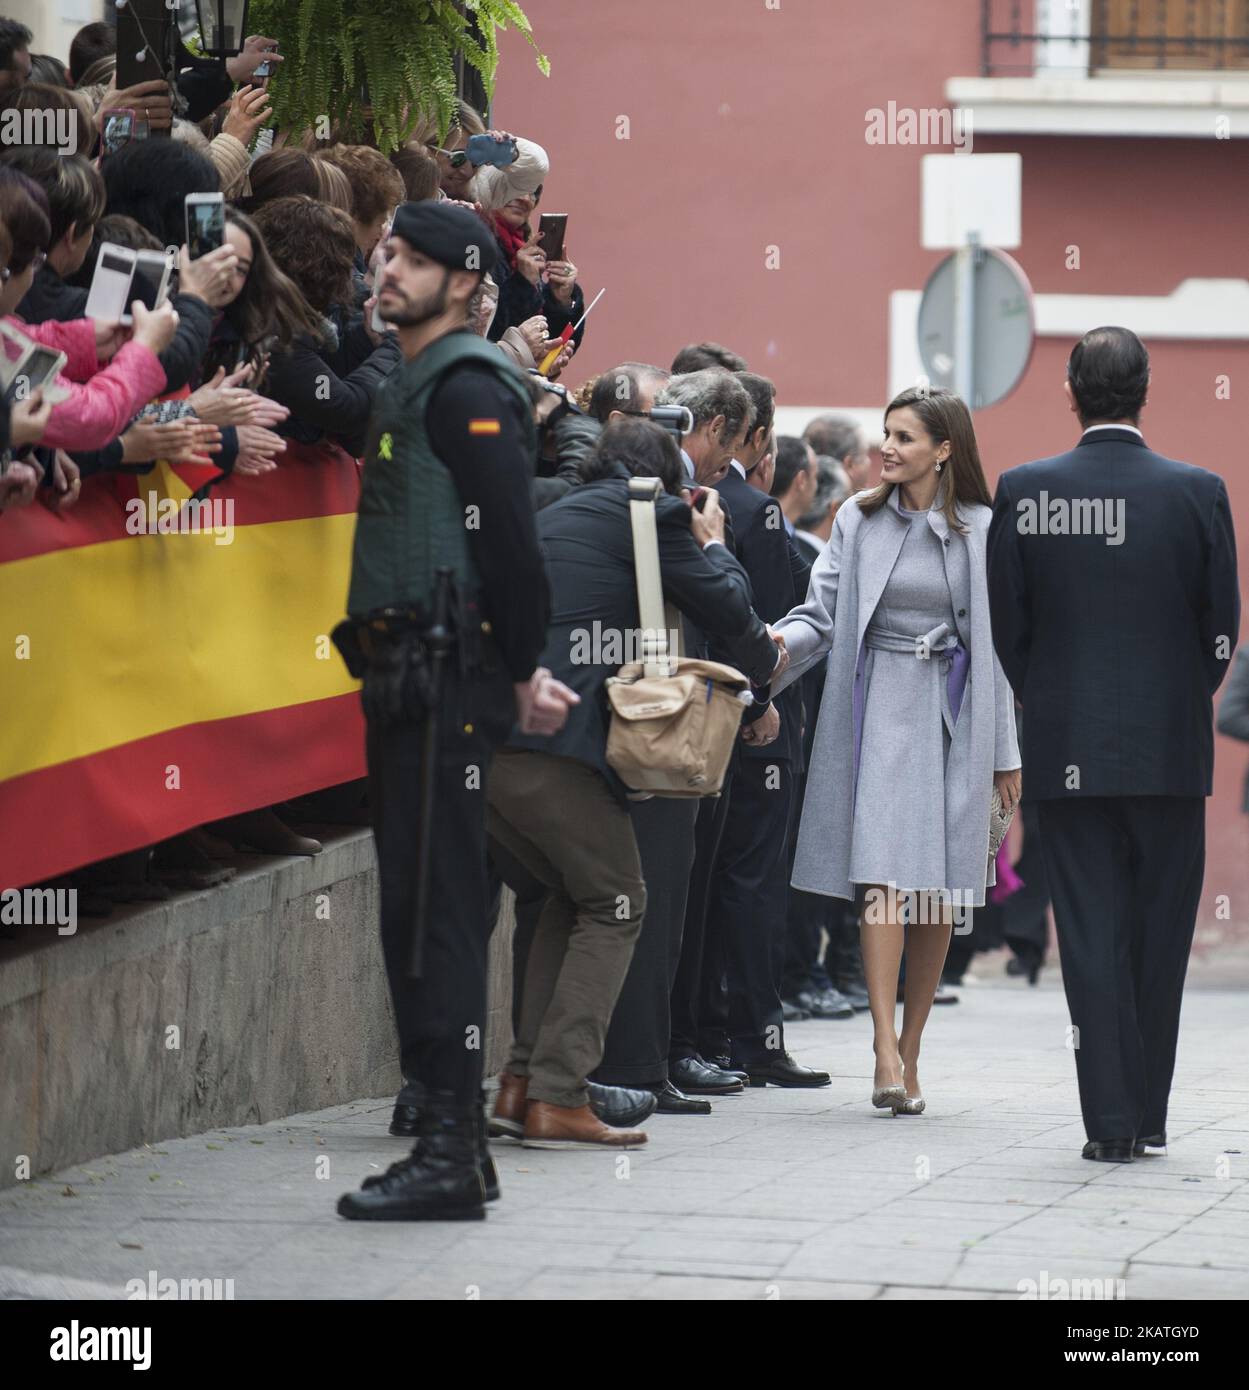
(27,365)
(40,369)
(109,296)
(205,222)
(151,279)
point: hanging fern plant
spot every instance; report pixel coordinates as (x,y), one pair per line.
(393,61)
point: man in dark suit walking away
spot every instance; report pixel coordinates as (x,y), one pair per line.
(1115,606)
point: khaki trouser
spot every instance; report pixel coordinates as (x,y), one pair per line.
(559,819)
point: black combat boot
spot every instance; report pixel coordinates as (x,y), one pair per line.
(440,1180)
(489,1174)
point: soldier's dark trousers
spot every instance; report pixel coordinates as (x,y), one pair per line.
(440,1017)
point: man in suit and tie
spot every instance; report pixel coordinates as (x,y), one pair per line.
(724,426)
(806,988)
(1115,606)
(746,905)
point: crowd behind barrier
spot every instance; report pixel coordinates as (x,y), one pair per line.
(318,342)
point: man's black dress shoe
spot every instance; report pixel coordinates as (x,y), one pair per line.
(404,1122)
(1149,1141)
(1108,1150)
(620,1106)
(696,1078)
(721,1063)
(670,1101)
(782,1070)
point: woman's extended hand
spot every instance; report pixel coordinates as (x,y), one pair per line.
(1009,788)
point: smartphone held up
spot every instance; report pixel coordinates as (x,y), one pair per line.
(123,275)
(205,223)
(27,366)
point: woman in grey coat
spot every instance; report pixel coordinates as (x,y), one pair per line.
(917,720)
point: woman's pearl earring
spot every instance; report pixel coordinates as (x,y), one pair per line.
(938,469)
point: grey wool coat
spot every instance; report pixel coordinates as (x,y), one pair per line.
(846,584)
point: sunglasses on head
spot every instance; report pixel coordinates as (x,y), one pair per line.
(457,158)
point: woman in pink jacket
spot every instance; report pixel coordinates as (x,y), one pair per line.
(103,399)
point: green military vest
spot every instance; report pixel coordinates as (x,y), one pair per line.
(411,519)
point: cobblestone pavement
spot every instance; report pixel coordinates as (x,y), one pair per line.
(789,1194)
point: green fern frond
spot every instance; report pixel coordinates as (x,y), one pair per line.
(403,51)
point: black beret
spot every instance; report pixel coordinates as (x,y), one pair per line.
(450,235)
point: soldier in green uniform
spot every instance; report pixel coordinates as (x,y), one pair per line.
(447,609)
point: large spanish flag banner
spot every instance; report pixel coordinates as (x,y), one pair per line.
(155,674)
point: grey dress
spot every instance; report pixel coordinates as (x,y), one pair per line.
(899,831)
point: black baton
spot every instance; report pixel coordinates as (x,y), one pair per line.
(438,644)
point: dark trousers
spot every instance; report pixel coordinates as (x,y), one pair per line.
(748,899)
(636,1053)
(560,820)
(1125,874)
(530,895)
(441,1017)
(1025,923)
(687,986)
(806,916)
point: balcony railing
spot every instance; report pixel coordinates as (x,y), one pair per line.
(1032,38)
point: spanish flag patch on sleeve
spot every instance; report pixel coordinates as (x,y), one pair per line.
(484,427)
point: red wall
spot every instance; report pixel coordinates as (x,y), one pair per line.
(747,131)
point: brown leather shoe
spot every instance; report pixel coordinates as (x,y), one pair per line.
(573,1127)
(508,1118)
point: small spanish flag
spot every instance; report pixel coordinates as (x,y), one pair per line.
(484,427)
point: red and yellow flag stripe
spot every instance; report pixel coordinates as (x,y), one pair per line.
(151,682)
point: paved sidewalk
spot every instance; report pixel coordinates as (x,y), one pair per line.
(799,1194)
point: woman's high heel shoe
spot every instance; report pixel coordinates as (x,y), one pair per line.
(909,1105)
(888,1097)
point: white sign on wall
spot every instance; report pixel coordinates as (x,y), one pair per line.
(971,193)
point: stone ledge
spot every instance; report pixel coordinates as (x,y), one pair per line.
(277,1011)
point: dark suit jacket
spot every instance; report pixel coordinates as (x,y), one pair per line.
(813,682)
(587,545)
(1114,650)
(764,549)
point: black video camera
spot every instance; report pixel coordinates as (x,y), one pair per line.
(676,419)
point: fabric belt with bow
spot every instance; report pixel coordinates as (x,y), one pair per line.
(941,643)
